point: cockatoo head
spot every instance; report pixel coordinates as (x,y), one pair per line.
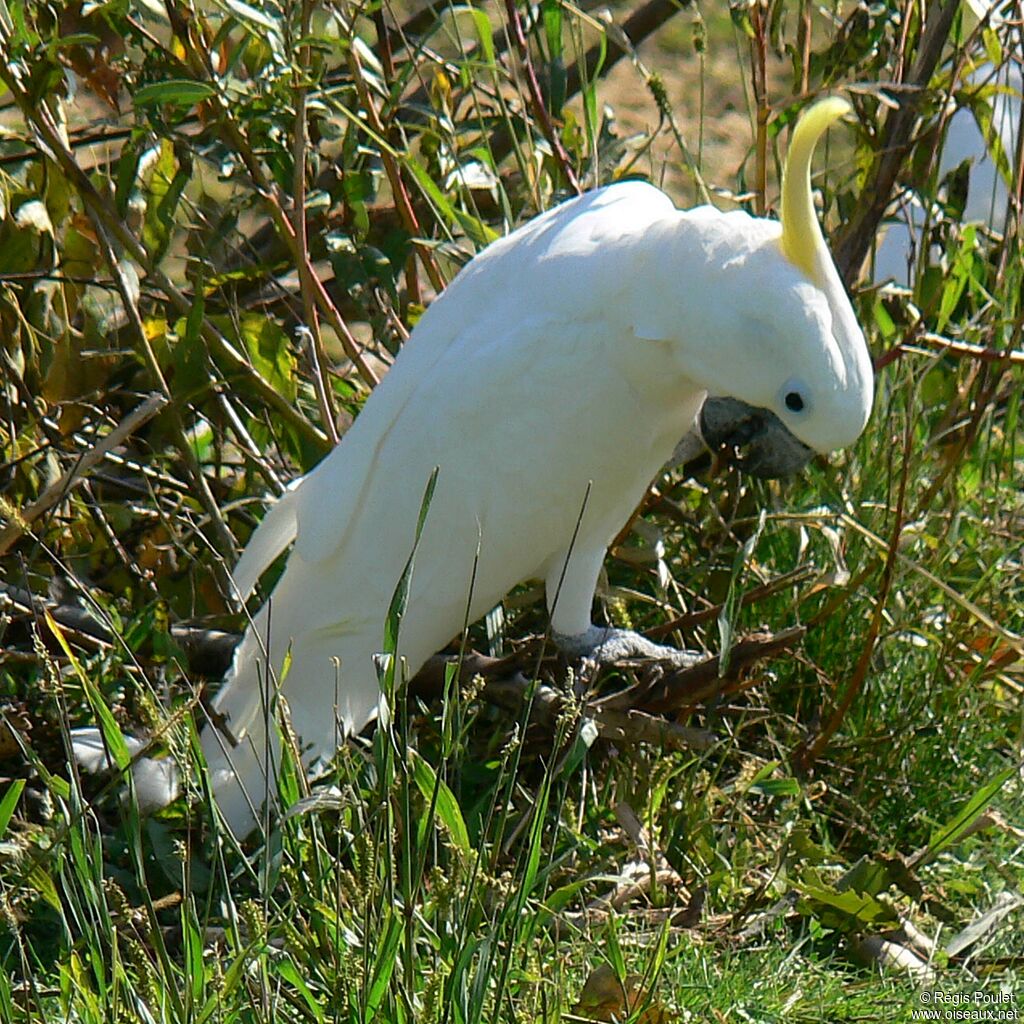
(787,371)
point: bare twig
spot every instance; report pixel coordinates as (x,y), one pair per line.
(687,687)
(59,490)
(956,348)
(759,80)
(693,619)
(635,726)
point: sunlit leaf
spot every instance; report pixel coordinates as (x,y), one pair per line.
(179,92)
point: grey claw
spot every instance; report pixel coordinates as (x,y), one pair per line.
(605,645)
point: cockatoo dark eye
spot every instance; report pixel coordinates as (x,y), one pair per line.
(795,396)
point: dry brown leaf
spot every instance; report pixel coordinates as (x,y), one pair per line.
(606,998)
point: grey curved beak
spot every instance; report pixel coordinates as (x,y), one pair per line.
(754,440)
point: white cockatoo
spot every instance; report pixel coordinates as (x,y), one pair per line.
(987,195)
(548,385)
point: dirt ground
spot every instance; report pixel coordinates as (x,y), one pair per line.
(717,126)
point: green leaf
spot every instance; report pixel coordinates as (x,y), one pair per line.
(127,170)
(41,880)
(850,910)
(590,99)
(993,46)
(883,321)
(166,182)
(991,132)
(951,832)
(268,348)
(731,604)
(179,92)
(112,735)
(613,949)
(286,969)
(867,877)
(6,999)
(75,39)
(401,595)
(383,966)
(428,782)
(584,739)
(551,12)
(479,232)
(213,1008)
(558,900)
(540,809)
(190,356)
(484,32)
(192,948)
(9,802)
(777,787)
(956,280)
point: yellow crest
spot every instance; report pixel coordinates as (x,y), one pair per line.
(802,241)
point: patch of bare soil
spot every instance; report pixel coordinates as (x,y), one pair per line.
(712,106)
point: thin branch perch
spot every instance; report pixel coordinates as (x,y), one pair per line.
(60,489)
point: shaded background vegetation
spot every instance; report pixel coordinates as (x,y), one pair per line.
(219,223)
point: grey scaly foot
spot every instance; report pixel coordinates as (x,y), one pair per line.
(605,644)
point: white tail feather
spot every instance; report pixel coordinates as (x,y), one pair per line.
(276,531)
(330,688)
(238,775)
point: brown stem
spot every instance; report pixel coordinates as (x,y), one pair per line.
(59,490)
(394,173)
(540,110)
(324,395)
(688,687)
(1012,357)
(759,76)
(804,43)
(854,241)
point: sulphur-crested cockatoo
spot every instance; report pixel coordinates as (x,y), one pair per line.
(548,384)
